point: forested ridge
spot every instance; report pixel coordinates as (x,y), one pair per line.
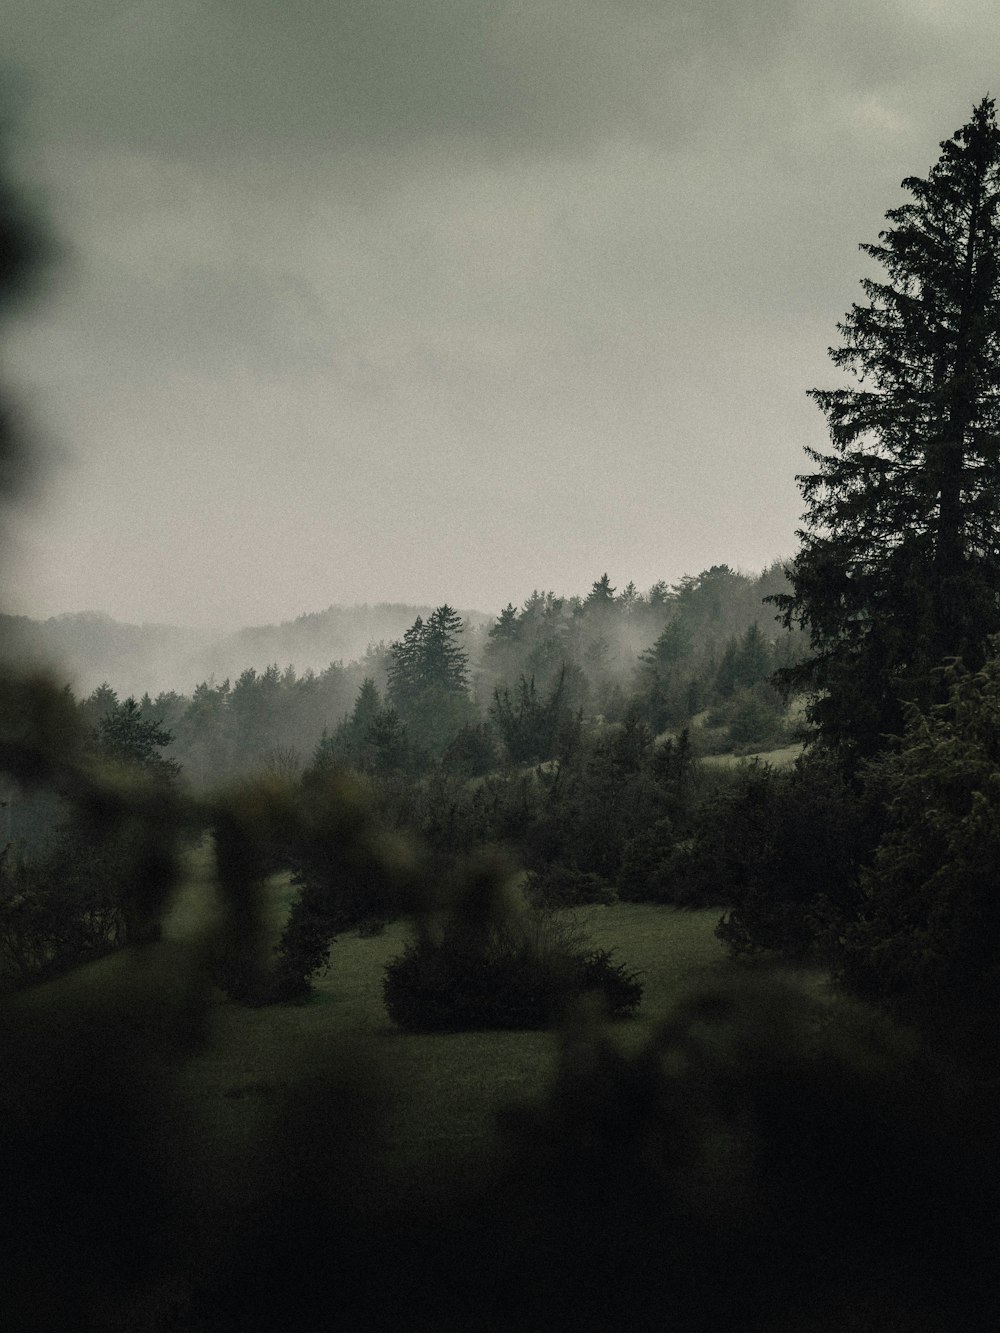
(667,655)
(135,659)
(805,1139)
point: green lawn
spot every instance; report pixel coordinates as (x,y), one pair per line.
(783,757)
(443,1089)
(400,1113)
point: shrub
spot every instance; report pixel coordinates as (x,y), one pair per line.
(660,869)
(927,928)
(55,913)
(74,901)
(557,886)
(783,849)
(516,974)
(472,751)
(764,1161)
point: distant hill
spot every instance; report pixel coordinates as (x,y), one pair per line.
(89,647)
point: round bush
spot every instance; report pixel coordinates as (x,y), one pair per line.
(511,978)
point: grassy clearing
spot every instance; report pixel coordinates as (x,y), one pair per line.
(783,757)
(446,1088)
(443,1090)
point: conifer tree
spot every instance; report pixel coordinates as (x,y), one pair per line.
(445,661)
(601,593)
(900,561)
(406,662)
(428,680)
(127,735)
(429,657)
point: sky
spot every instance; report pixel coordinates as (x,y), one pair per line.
(444,300)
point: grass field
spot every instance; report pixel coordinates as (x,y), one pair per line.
(398,1114)
(435,1096)
(783,757)
(444,1089)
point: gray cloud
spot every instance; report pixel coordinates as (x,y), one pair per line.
(521,76)
(450,298)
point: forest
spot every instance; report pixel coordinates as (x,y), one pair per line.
(792,778)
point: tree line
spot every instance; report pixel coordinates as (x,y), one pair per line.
(450,750)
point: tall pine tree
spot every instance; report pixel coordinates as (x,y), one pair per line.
(900,560)
(428,680)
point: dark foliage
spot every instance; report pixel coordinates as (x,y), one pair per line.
(492,964)
(763,1162)
(751,1167)
(786,849)
(621,813)
(594,801)
(521,975)
(472,751)
(340,887)
(900,565)
(748,720)
(351,872)
(429,682)
(533,727)
(562,886)
(127,736)
(95,882)
(612,818)
(56,911)
(926,930)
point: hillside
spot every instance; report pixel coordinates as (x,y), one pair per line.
(89,647)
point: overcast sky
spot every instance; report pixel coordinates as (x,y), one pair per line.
(427,300)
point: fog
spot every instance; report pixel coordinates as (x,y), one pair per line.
(87,650)
(364,304)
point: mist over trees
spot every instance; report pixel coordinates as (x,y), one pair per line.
(151,658)
(613,818)
(478,691)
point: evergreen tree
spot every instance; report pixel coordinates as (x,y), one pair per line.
(428,680)
(928,928)
(389,742)
(709,602)
(500,649)
(127,735)
(205,734)
(406,663)
(530,726)
(658,596)
(444,660)
(662,688)
(97,706)
(629,598)
(900,559)
(352,742)
(601,596)
(366,705)
(429,657)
